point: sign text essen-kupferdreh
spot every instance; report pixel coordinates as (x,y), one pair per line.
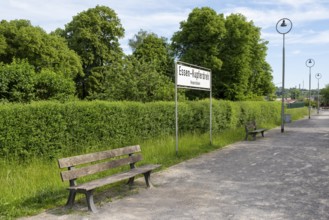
(193,77)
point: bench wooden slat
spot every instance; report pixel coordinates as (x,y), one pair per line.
(87,158)
(92,169)
(114,178)
(257,130)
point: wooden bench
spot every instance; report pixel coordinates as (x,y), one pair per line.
(251,129)
(93,163)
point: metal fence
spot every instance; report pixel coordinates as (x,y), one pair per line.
(296,105)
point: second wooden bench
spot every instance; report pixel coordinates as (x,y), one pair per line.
(251,129)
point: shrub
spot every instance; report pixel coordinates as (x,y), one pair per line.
(52,129)
(16,81)
(51,85)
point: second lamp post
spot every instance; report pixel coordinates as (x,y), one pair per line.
(309,63)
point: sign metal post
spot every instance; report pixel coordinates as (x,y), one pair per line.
(189,76)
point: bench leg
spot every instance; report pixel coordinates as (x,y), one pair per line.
(246,137)
(90,201)
(71,198)
(254,136)
(262,133)
(147,177)
(131,182)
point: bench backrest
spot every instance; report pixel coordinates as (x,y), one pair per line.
(250,126)
(107,160)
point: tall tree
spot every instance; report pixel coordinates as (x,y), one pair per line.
(94,34)
(148,47)
(138,39)
(19,39)
(236,56)
(245,72)
(231,47)
(199,41)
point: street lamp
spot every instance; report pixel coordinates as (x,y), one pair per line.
(283,26)
(309,63)
(318,76)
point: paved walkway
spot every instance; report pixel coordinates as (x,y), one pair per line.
(281,176)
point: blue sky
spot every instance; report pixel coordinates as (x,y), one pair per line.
(309,37)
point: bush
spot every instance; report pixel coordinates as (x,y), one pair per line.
(51,85)
(16,81)
(52,129)
(20,83)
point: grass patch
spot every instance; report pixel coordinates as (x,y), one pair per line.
(163,150)
(297,113)
(28,189)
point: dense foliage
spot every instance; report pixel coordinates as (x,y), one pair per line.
(20,83)
(131,79)
(53,129)
(231,47)
(87,53)
(21,40)
(94,34)
(150,48)
(16,81)
(325,96)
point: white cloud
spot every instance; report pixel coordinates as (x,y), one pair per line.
(47,14)
(319,38)
(302,13)
(297,3)
(296,52)
(165,22)
(268,18)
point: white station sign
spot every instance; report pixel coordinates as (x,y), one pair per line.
(189,76)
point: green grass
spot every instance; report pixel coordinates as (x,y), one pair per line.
(163,150)
(28,189)
(297,113)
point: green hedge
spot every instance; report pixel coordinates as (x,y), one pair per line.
(53,129)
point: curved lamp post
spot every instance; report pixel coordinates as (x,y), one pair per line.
(283,26)
(309,63)
(318,76)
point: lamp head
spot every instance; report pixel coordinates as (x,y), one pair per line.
(310,62)
(283,24)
